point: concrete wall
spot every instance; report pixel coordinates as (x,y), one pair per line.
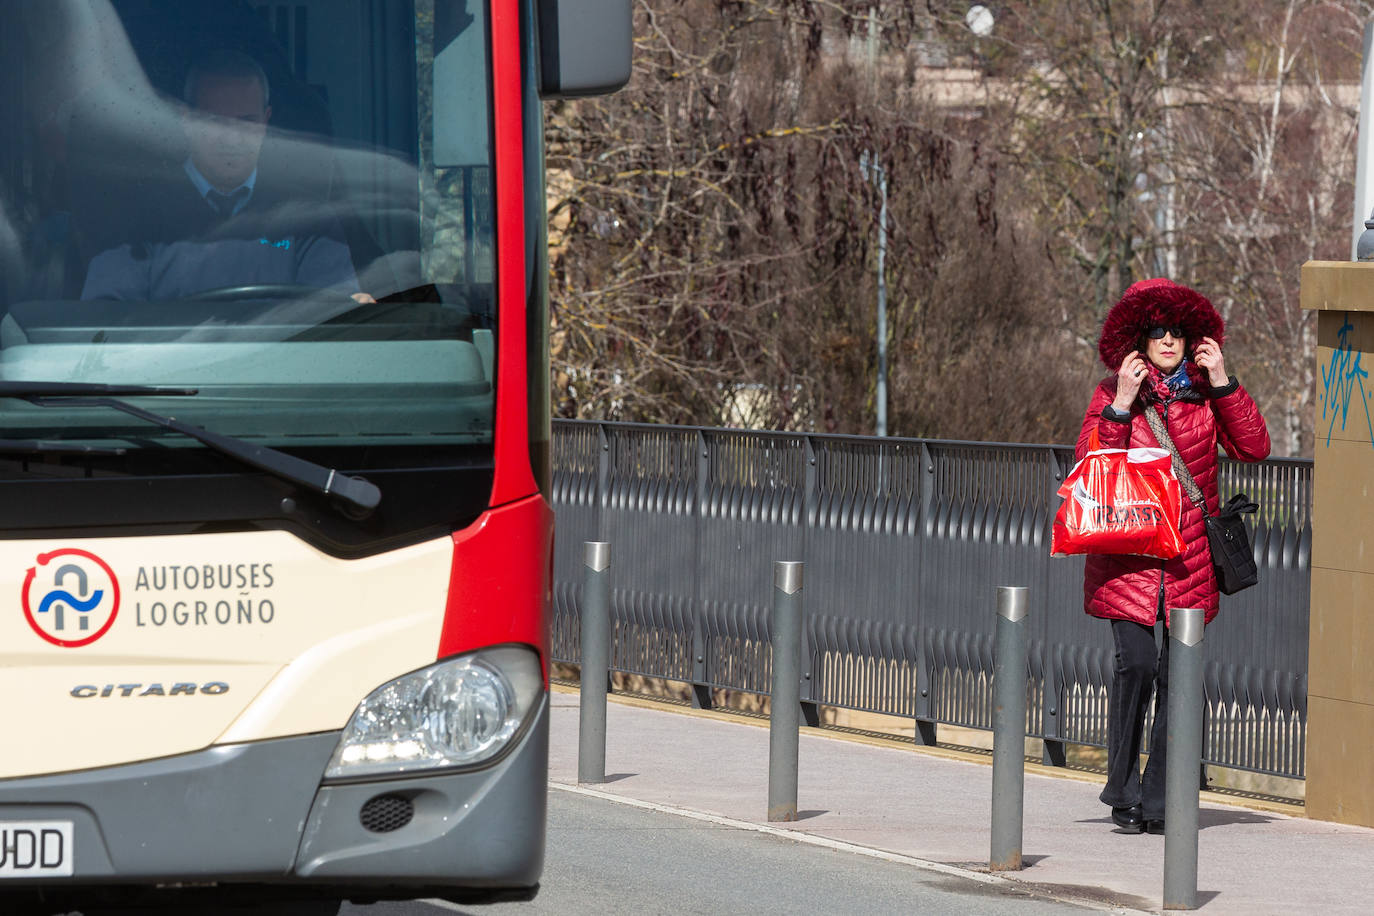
(1340,723)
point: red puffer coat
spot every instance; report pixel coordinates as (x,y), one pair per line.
(1198,419)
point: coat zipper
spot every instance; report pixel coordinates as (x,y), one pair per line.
(1159,606)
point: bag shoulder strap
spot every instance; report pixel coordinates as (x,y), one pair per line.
(1181,471)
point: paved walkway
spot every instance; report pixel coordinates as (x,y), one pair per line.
(935,806)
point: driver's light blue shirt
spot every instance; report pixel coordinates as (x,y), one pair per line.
(204,187)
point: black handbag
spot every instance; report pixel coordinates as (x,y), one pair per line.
(1233,559)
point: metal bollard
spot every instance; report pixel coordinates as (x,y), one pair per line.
(1184,758)
(596,652)
(1009,730)
(784,719)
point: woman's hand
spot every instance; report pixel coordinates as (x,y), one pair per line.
(1129,379)
(1208,356)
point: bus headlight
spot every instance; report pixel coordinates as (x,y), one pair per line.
(459,712)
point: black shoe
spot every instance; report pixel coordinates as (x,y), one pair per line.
(1154,826)
(1129,819)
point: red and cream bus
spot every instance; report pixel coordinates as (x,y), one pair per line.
(274,436)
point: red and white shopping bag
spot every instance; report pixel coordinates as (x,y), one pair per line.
(1119,501)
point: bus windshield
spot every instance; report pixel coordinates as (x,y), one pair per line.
(250,200)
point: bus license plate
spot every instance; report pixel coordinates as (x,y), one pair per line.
(35,849)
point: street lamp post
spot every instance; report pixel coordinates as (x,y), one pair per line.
(875,172)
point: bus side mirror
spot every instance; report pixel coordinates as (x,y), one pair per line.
(584,47)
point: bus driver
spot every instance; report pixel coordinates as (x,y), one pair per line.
(221,227)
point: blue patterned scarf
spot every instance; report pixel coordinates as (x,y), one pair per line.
(1161,388)
(1179,381)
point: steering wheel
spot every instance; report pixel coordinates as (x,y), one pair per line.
(265,291)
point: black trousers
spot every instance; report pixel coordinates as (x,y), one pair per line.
(1140,668)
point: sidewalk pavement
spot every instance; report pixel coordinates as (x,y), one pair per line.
(935,806)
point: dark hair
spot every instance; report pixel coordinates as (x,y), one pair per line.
(224,64)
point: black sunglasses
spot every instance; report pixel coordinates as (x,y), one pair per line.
(1158,333)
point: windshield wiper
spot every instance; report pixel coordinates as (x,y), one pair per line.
(79,389)
(355,491)
(52,447)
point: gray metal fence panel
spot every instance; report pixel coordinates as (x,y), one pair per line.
(863,559)
(750,512)
(904,541)
(1256,661)
(650,518)
(577,489)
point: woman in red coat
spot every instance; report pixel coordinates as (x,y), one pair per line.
(1162,342)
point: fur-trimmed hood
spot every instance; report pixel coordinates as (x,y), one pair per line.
(1151,303)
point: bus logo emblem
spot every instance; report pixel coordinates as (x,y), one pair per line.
(70,597)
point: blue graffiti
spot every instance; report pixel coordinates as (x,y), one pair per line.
(1341,381)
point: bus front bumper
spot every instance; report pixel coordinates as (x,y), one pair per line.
(258,814)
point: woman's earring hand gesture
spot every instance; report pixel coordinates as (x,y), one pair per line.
(1208,357)
(1128,380)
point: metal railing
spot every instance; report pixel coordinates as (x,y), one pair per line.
(904,541)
